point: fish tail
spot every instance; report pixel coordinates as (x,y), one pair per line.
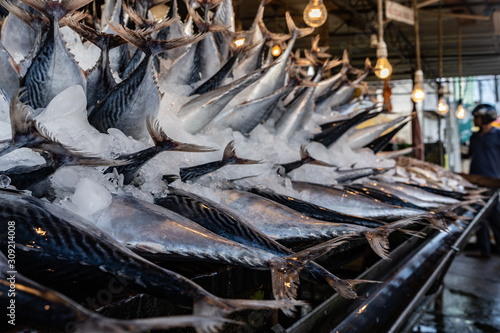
(214,307)
(152,46)
(101,40)
(377,238)
(285,281)
(230,157)
(163,142)
(200,323)
(56,9)
(293,28)
(298,260)
(169,179)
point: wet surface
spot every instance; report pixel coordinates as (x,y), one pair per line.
(470,301)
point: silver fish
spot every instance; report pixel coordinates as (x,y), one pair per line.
(231,225)
(44,308)
(305,158)
(161,231)
(229,158)
(275,78)
(349,203)
(9,78)
(100,80)
(358,138)
(342,93)
(127,104)
(18,36)
(284,224)
(421,197)
(199,111)
(49,239)
(176,30)
(162,143)
(54,69)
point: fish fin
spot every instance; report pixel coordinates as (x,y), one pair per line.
(343,287)
(270,36)
(368,65)
(164,143)
(202,24)
(217,307)
(56,9)
(140,21)
(293,28)
(230,157)
(201,324)
(20,114)
(100,39)
(32,20)
(285,273)
(153,46)
(169,179)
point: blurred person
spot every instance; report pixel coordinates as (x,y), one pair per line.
(484,153)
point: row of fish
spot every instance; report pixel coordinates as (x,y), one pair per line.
(91,196)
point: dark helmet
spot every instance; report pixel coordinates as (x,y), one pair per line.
(487,112)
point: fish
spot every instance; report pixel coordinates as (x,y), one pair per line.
(246,116)
(286,225)
(353,174)
(231,225)
(421,197)
(381,142)
(315,211)
(20,30)
(100,80)
(40,307)
(330,135)
(382,195)
(275,78)
(9,77)
(53,243)
(229,158)
(300,110)
(162,143)
(341,93)
(216,80)
(119,56)
(209,59)
(357,138)
(201,110)
(172,32)
(348,202)
(128,103)
(160,231)
(53,69)
(305,158)
(224,15)
(326,85)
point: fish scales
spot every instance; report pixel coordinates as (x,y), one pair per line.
(62,241)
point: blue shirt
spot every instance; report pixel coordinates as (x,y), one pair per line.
(485,153)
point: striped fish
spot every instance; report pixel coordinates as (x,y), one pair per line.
(229,157)
(132,100)
(55,245)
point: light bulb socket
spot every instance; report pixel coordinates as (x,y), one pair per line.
(381,49)
(419,76)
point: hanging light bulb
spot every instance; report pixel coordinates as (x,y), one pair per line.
(239,42)
(442,107)
(460,111)
(383,68)
(418,93)
(276,50)
(315,13)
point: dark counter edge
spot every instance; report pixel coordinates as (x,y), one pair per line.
(403,257)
